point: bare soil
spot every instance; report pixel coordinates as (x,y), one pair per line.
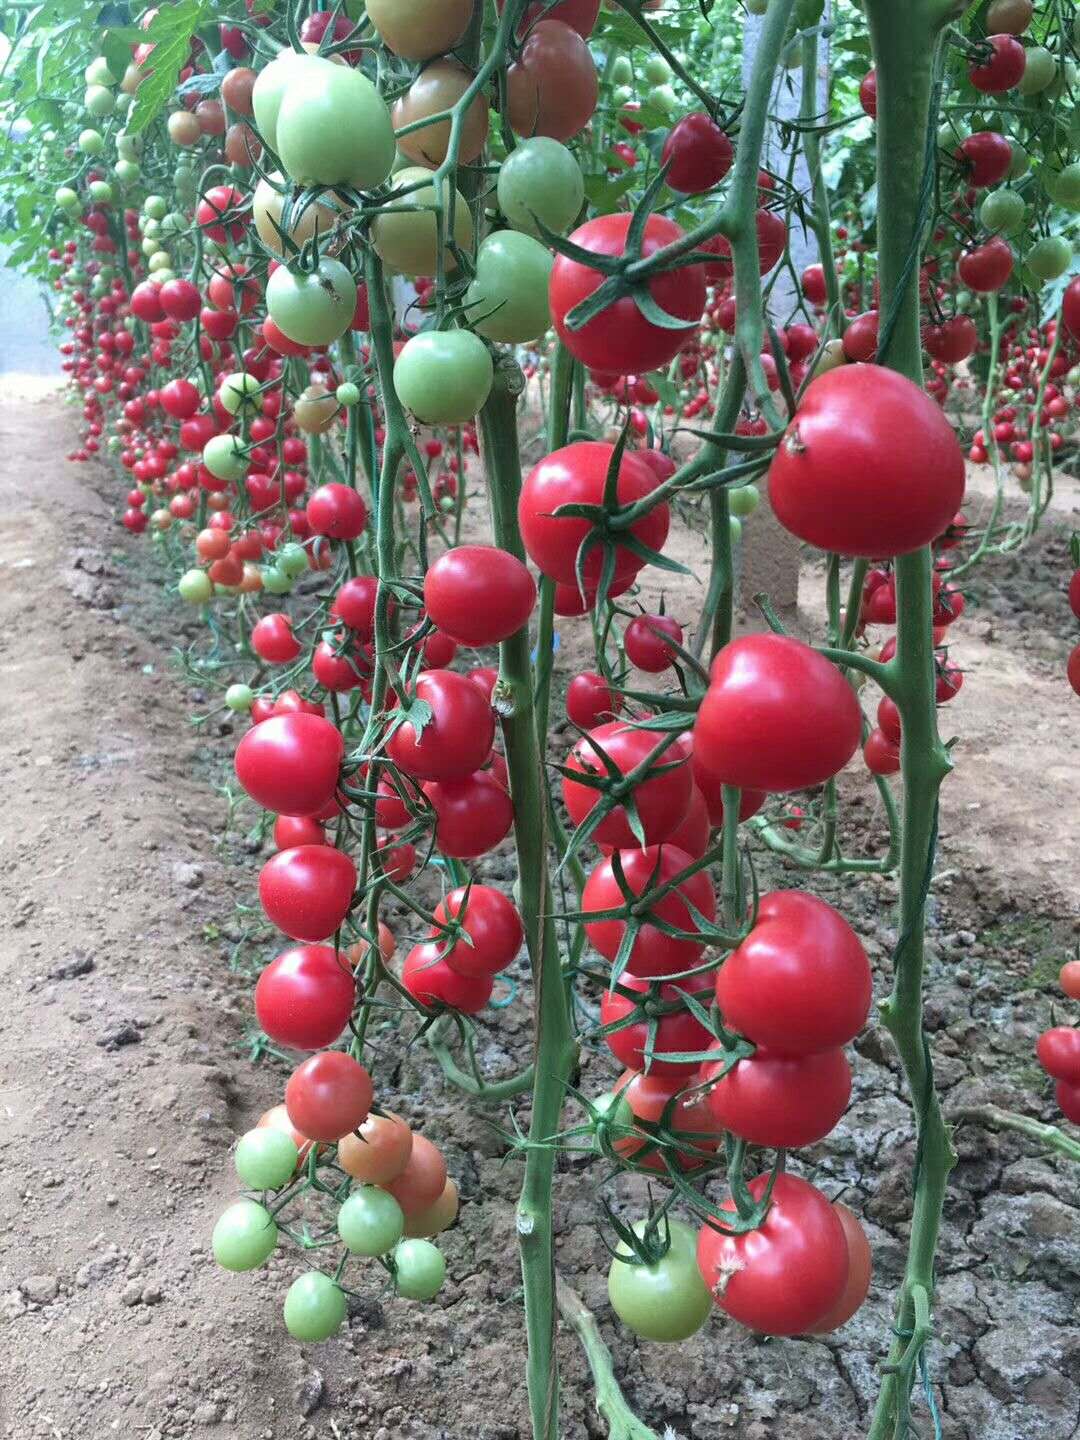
(125,1070)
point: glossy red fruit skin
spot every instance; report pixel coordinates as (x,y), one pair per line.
(431,981)
(620,338)
(290,763)
(986,267)
(662,800)
(457,739)
(868,93)
(304,997)
(1058,1052)
(777,716)
(700,154)
(1067,1095)
(800,982)
(472,814)
(306,891)
(987,155)
(328,1095)
(654,954)
(493,929)
(781,1278)
(781,1101)
(590,700)
(868,467)
(952,341)
(1070,308)
(1004,69)
(337,511)
(478,594)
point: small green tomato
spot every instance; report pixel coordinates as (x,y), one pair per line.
(91,142)
(736,529)
(160,260)
(99,101)
(657,70)
(223,456)
(195,586)
(347,394)
(240,392)
(100,192)
(667,1300)
(98,73)
(314,1307)
(541,180)
(443,376)
(265,1158)
(371,1222)
(66,198)
(419,1269)
(275,582)
(744,500)
(241,698)
(244,1236)
(126,171)
(622,95)
(292,559)
(620,71)
(1049,257)
(155,207)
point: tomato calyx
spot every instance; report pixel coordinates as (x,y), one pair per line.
(647,1242)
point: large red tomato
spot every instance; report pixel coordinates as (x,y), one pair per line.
(304,998)
(478,594)
(456,740)
(653,953)
(781,1101)
(575,475)
(491,926)
(800,981)
(290,763)
(431,981)
(328,1095)
(472,814)
(777,716)
(657,1101)
(661,800)
(621,340)
(860,1266)
(666,1028)
(869,465)
(781,1278)
(307,891)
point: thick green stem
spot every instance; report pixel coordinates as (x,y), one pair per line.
(819,216)
(622,1423)
(717,613)
(904,44)
(555,1049)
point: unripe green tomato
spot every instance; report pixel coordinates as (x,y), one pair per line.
(620,71)
(316,308)
(541,179)
(99,288)
(1039,71)
(657,70)
(371,1222)
(727,43)
(314,1307)
(744,500)
(964,301)
(100,192)
(1002,210)
(126,171)
(407,239)
(173,224)
(241,698)
(98,73)
(128,147)
(663,97)
(269,90)
(1049,257)
(155,207)
(622,95)
(1064,186)
(736,529)
(333,127)
(419,1269)
(164,276)
(1073,376)
(612,1115)
(124,102)
(158,261)
(265,1158)
(292,559)
(149,226)
(195,586)
(223,456)
(67,198)
(240,391)
(275,581)
(508,300)
(947,137)
(1065,80)
(91,142)
(347,394)
(114,445)
(99,101)
(148,245)
(1020,162)
(443,376)
(244,1236)
(668,1300)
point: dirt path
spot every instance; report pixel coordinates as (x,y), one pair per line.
(122,1082)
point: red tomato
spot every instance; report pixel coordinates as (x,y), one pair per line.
(661,800)
(304,998)
(986,267)
(881,754)
(674,1030)
(656,1102)
(868,93)
(431,981)
(653,953)
(777,716)
(456,740)
(781,1100)
(472,814)
(951,341)
(354,604)
(1003,69)
(620,339)
(293,830)
(869,465)
(1058,1052)
(307,891)
(493,932)
(290,763)
(772,239)
(580,15)
(272,639)
(551,89)
(711,788)
(1068,1098)
(645,639)
(860,340)
(337,511)
(478,594)
(800,981)
(696,828)
(987,156)
(1069,979)
(860,1267)
(576,474)
(590,700)
(328,1095)
(700,154)
(782,1277)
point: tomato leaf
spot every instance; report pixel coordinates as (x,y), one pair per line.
(170,33)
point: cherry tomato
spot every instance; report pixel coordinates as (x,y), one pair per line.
(666,1300)
(665,1028)
(653,953)
(493,931)
(661,800)
(479,594)
(304,997)
(781,1100)
(431,981)
(328,1095)
(307,891)
(1058,1052)
(379,1150)
(456,740)
(290,763)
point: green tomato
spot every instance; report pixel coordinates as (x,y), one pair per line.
(241,698)
(91,142)
(155,207)
(244,1236)
(265,1158)
(744,500)
(240,391)
(333,127)
(419,1269)
(1064,81)
(98,72)
(292,560)
(223,456)
(162,276)
(100,192)
(408,239)
(622,95)
(1064,185)
(663,97)
(612,1116)
(508,300)
(1020,162)
(371,1222)
(735,525)
(124,102)
(99,101)
(1039,71)
(541,178)
(443,376)
(159,262)
(657,70)
(66,198)
(347,394)
(173,224)
(128,147)
(126,171)
(1003,211)
(148,244)
(620,71)
(269,89)
(312,309)
(314,1307)
(275,582)
(1049,257)
(666,1301)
